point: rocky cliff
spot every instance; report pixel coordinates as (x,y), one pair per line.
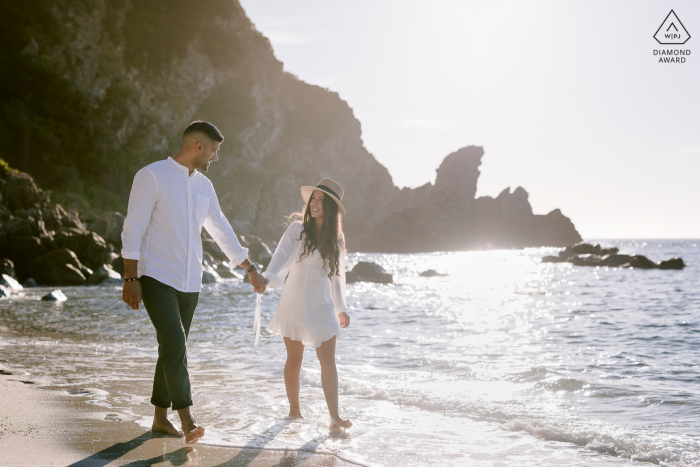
(95,89)
(447,216)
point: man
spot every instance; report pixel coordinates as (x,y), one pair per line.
(169,204)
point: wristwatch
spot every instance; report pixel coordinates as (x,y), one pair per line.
(251,268)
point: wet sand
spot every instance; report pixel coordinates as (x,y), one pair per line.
(40,427)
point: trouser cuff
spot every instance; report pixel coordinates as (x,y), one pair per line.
(159,403)
(182,405)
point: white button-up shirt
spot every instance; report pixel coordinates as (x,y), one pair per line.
(168,207)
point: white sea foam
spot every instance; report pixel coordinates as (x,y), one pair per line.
(506,360)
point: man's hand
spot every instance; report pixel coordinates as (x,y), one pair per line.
(344,320)
(257,281)
(132,294)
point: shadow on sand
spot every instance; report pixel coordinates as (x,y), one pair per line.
(188,455)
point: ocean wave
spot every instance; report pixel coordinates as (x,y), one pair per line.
(641,445)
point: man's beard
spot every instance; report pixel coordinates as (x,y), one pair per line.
(204,165)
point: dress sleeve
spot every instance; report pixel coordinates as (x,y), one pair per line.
(284,255)
(338,286)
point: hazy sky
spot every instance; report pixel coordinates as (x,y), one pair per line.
(566,97)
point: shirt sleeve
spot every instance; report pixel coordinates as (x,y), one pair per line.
(221,231)
(142,200)
(284,255)
(338,286)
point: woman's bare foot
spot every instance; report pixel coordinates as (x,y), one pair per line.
(340,423)
(295,413)
(194,435)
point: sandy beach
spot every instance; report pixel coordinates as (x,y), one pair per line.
(41,427)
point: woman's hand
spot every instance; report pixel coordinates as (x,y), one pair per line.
(344,320)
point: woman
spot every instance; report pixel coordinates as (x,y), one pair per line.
(312,307)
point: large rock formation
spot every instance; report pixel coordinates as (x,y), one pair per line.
(93,90)
(446,216)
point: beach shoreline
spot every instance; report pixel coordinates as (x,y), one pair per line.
(41,427)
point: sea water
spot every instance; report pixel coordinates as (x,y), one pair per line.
(503,361)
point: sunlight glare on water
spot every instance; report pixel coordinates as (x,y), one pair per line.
(501,361)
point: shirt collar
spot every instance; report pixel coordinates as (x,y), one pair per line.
(182,168)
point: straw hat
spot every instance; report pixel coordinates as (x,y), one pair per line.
(327,186)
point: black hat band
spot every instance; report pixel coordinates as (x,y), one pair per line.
(324,187)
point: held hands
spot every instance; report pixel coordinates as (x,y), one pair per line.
(132,294)
(344,320)
(258,282)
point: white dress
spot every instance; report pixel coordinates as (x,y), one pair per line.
(310,301)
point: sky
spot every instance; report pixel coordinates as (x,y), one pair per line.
(567,98)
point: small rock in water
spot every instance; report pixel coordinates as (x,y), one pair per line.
(674,263)
(372,272)
(9,282)
(432,273)
(55,296)
(351,277)
(585,254)
(4,292)
(29,282)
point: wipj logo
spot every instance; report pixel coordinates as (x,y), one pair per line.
(672,31)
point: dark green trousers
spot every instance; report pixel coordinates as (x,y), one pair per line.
(171,313)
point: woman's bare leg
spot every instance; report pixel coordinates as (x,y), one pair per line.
(329,380)
(292,371)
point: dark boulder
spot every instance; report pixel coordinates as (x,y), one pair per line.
(641,262)
(25,227)
(209,275)
(210,246)
(208,259)
(109,226)
(60,267)
(54,216)
(23,249)
(118,265)
(371,272)
(674,263)
(553,259)
(431,273)
(10,282)
(7,267)
(586,254)
(225,272)
(259,251)
(55,296)
(614,260)
(88,217)
(20,192)
(104,274)
(89,246)
(351,277)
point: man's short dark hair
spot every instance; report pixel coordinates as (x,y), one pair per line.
(200,126)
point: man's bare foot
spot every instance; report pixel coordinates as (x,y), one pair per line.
(295,413)
(194,435)
(166,426)
(340,423)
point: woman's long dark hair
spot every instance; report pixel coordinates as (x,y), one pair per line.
(330,241)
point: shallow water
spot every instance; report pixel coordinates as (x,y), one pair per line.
(505,361)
